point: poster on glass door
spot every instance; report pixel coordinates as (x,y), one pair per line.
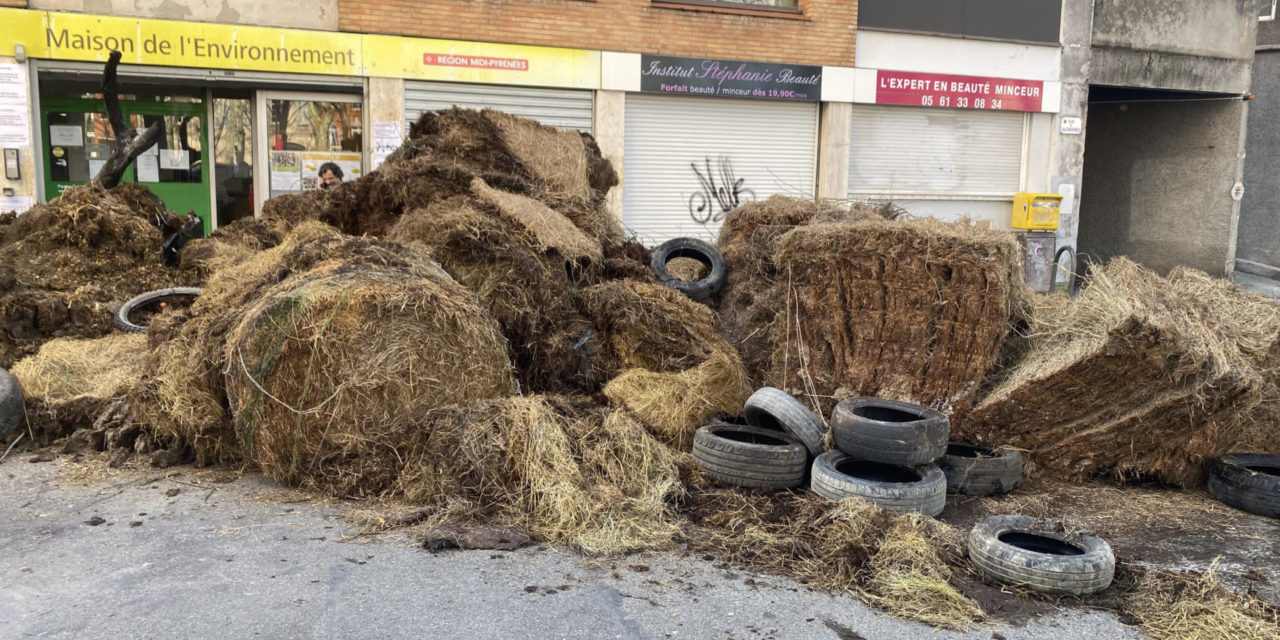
(286,171)
(349,162)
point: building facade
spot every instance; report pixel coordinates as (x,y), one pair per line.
(946,107)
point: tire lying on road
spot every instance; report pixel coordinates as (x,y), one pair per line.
(774,409)
(749,456)
(895,488)
(126,310)
(701,251)
(11,411)
(1247,481)
(975,470)
(889,431)
(1022,551)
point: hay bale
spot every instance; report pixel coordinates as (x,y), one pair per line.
(527,290)
(755,288)
(69,383)
(671,368)
(232,244)
(551,230)
(1140,376)
(914,310)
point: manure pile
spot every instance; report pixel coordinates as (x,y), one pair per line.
(467,330)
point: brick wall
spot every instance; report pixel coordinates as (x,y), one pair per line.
(21,4)
(824,34)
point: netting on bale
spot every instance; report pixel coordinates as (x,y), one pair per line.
(912,310)
(63,264)
(1140,376)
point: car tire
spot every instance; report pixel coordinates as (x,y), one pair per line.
(774,409)
(975,470)
(1026,552)
(889,431)
(895,488)
(1247,481)
(750,457)
(122,319)
(11,408)
(701,251)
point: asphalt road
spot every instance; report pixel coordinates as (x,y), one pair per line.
(191,555)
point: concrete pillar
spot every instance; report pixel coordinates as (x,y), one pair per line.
(25,186)
(383,102)
(1066,168)
(834,129)
(611,134)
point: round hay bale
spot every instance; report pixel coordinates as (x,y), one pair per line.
(329,372)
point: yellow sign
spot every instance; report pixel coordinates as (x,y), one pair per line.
(482,62)
(74,36)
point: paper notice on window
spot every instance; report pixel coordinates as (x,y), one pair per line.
(15,123)
(153,150)
(386,139)
(351,164)
(94,167)
(176,159)
(148,168)
(66,135)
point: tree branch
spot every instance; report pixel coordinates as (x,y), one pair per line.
(129,145)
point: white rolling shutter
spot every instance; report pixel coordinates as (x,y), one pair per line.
(562,108)
(898,152)
(772,147)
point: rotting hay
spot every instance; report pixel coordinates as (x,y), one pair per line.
(1189,605)
(338,362)
(529,292)
(670,368)
(912,310)
(558,467)
(232,244)
(70,383)
(752,296)
(900,563)
(66,263)
(549,228)
(1140,376)
(183,393)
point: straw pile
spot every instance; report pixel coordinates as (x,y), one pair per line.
(670,368)
(71,384)
(1141,376)
(906,310)
(65,264)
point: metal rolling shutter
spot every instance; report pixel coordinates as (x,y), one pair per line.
(898,152)
(771,146)
(563,108)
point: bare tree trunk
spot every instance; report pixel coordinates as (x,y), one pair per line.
(129,144)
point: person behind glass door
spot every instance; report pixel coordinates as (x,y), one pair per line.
(330,175)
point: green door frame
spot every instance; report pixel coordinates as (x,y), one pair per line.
(179,196)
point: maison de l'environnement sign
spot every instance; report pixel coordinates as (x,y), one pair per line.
(729,78)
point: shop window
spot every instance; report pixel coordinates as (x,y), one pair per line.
(305,135)
(178,156)
(79,144)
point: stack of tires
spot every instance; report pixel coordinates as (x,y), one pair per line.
(771,451)
(885,454)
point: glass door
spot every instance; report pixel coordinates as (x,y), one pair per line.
(305,138)
(232,133)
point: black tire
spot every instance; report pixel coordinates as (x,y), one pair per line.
(749,457)
(123,322)
(889,431)
(975,470)
(894,488)
(701,251)
(774,409)
(1025,552)
(1247,481)
(11,411)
